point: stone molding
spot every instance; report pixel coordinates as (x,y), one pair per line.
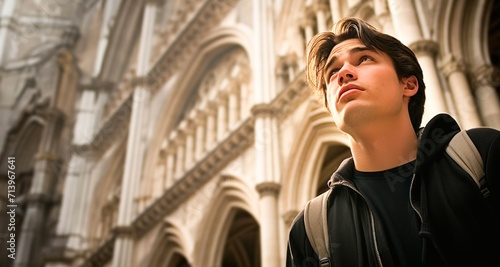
(268,188)
(451,64)
(262,110)
(424,47)
(39,198)
(46,156)
(208,16)
(486,75)
(123,231)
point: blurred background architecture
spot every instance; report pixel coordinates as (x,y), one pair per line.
(181,133)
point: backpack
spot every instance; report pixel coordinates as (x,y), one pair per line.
(461,149)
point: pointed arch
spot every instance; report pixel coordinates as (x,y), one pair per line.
(105,187)
(220,40)
(169,246)
(462,29)
(210,48)
(27,142)
(319,132)
(233,196)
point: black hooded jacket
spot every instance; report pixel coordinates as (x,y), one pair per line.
(458,225)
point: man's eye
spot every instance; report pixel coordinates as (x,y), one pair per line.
(332,72)
(365,58)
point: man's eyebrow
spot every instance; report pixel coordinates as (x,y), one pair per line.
(331,60)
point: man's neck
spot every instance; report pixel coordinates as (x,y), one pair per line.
(384,146)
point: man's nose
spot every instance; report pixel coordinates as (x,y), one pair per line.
(346,74)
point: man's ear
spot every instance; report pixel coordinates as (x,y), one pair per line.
(410,86)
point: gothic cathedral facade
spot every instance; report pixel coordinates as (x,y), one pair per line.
(181,133)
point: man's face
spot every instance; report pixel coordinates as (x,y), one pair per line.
(362,86)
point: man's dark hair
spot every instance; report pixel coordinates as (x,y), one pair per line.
(404,60)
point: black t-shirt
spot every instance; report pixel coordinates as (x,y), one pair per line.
(389,193)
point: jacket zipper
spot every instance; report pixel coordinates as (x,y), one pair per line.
(411,202)
(372,220)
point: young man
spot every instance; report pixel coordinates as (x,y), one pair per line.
(400,200)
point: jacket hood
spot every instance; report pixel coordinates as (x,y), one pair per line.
(435,136)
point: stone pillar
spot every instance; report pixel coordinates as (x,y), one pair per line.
(109,12)
(200,135)
(320,9)
(307,24)
(291,65)
(464,100)
(170,167)
(267,163)
(179,155)
(267,171)
(269,224)
(408,30)
(158,183)
(7,13)
(264,59)
(72,227)
(221,117)
(123,247)
(489,105)
(210,130)
(189,154)
(234,114)
(383,16)
(435,103)
(335,10)
(40,194)
(245,100)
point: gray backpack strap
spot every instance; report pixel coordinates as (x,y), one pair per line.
(463,151)
(315,221)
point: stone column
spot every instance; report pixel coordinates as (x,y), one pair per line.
(221,116)
(158,183)
(234,114)
(465,103)
(435,103)
(40,194)
(291,62)
(170,168)
(267,171)
(109,12)
(484,77)
(269,224)
(123,247)
(307,24)
(210,130)
(320,9)
(408,30)
(281,74)
(189,154)
(383,16)
(7,13)
(200,143)
(267,163)
(71,227)
(264,59)
(179,155)
(335,10)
